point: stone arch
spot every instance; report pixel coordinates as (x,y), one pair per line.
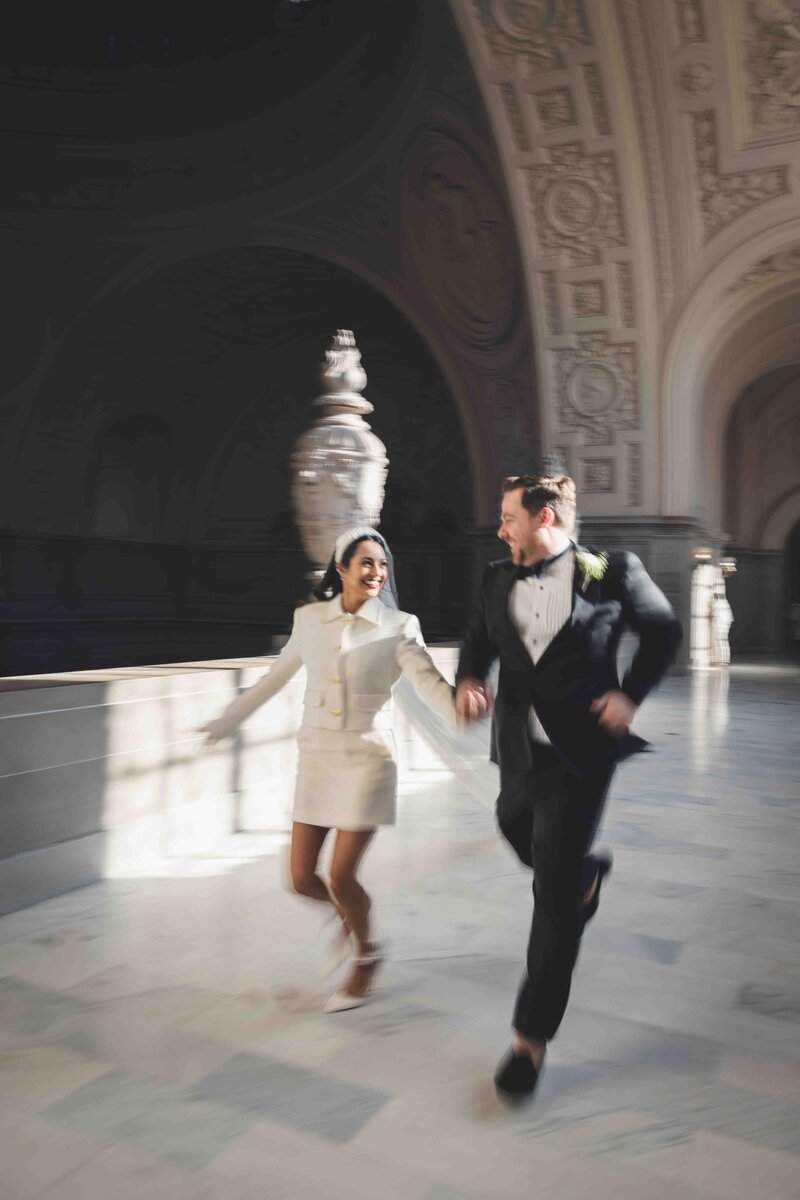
(742,321)
(762,453)
(781,521)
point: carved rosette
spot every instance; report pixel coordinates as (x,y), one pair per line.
(575,202)
(597,388)
(338,465)
(695,77)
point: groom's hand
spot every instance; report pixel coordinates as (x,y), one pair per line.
(615,712)
(473,700)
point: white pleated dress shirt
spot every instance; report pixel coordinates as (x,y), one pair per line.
(539,607)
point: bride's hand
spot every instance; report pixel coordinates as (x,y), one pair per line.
(211,732)
(473,700)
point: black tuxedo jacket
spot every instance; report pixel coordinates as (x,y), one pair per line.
(579,665)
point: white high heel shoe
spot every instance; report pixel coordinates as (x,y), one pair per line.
(341,1000)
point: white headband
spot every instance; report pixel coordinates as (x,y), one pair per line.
(349,536)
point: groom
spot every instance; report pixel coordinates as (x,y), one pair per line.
(553,614)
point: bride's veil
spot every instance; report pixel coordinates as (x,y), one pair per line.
(465,751)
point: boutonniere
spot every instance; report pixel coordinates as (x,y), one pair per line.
(593,566)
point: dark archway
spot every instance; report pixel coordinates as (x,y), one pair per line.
(129,477)
(791,575)
(193,553)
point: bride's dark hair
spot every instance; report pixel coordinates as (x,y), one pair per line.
(331,584)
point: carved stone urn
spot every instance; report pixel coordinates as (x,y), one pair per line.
(338,465)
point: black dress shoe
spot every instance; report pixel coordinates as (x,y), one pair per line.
(516,1076)
(604,864)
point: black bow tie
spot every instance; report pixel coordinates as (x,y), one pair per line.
(534,571)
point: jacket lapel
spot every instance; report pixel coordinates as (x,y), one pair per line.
(581,611)
(514,642)
(583,594)
(583,604)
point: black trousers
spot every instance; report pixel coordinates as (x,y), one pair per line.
(550,816)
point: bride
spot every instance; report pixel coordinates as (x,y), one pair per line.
(355,645)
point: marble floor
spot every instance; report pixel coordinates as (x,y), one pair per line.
(161,1036)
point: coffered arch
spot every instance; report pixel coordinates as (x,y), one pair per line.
(653,155)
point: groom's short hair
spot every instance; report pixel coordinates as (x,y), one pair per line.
(553,491)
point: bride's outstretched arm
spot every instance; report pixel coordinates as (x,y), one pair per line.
(286,665)
(417,665)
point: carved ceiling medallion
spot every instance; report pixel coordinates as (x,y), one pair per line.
(522,18)
(459,236)
(593,388)
(572,205)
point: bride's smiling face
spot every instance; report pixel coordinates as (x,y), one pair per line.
(364,575)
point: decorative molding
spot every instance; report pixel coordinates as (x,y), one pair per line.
(457,228)
(597,475)
(534,34)
(597,100)
(575,202)
(552,307)
(634,474)
(772,56)
(695,77)
(597,387)
(588,299)
(514,114)
(723,198)
(689,20)
(627,310)
(555,108)
(786,262)
(635,23)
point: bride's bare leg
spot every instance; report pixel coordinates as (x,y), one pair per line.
(354,903)
(306,847)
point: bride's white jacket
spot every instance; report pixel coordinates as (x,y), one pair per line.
(352,661)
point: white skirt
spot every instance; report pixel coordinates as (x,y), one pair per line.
(346,780)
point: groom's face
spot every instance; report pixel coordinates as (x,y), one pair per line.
(520,529)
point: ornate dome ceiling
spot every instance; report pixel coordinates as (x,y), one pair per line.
(100,86)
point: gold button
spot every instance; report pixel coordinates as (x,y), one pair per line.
(335,712)
(334,679)
(337,647)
